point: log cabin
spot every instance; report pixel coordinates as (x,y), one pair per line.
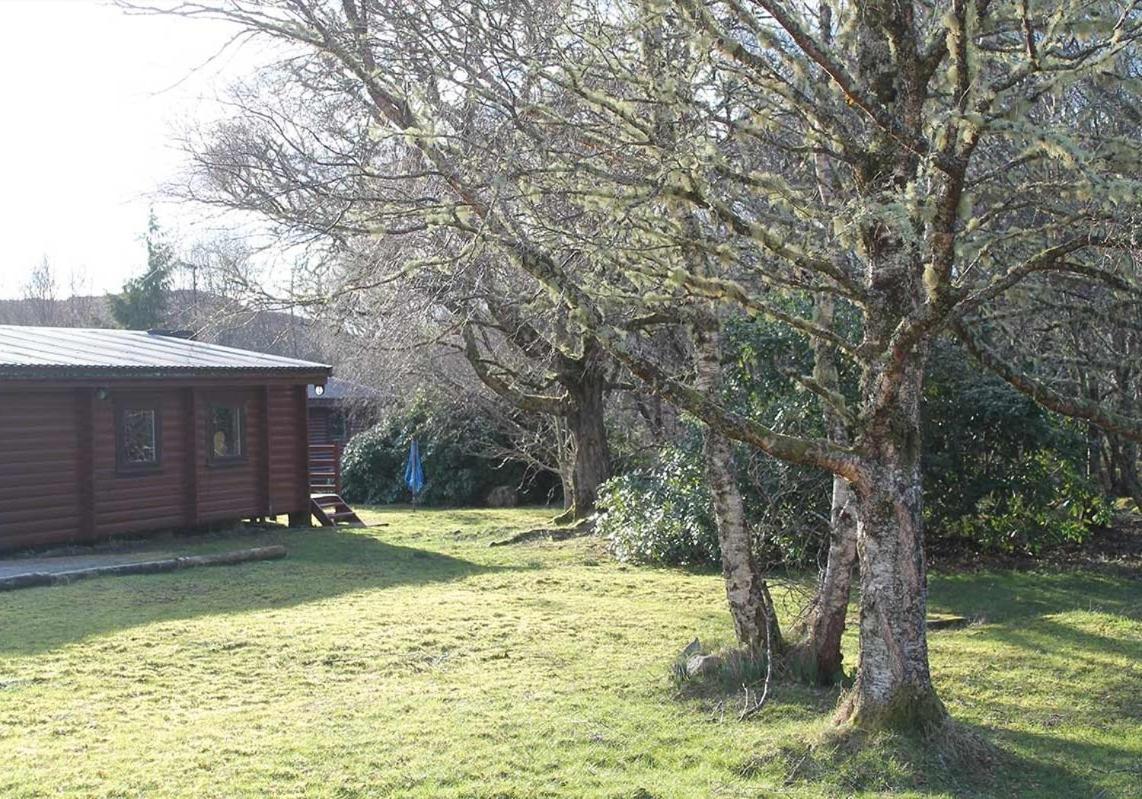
(113,432)
(338,411)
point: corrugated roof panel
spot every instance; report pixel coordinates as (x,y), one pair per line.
(81,350)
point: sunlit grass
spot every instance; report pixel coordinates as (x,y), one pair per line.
(413,660)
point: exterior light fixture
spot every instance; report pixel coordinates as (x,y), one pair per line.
(319,390)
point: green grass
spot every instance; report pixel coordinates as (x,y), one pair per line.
(413,660)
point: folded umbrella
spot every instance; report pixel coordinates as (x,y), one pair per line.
(414,471)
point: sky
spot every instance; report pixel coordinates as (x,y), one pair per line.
(91,99)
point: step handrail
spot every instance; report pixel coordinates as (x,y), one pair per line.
(321,457)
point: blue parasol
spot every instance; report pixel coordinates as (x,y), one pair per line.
(414,471)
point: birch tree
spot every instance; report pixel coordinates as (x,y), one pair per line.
(956,181)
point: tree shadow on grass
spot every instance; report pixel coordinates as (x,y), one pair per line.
(1041,765)
(1013,596)
(1045,636)
(1022,763)
(320,564)
(971,762)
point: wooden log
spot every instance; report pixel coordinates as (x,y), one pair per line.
(33,579)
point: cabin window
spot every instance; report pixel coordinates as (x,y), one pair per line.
(226,430)
(138,437)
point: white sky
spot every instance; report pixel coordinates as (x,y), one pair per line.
(87,117)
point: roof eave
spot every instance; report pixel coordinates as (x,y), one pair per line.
(311,374)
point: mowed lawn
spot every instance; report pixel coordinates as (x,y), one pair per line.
(413,660)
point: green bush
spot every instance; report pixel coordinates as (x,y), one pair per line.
(661,514)
(1044,502)
(372,467)
(1000,474)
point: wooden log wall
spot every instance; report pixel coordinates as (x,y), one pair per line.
(40,468)
(60,481)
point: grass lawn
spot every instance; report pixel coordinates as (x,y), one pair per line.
(414,660)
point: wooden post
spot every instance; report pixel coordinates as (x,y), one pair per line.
(190,456)
(85,460)
(337,468)
(301,518)
(264,508)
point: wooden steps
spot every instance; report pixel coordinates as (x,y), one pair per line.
(332,511)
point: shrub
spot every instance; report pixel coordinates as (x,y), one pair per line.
(1000,473)
(372,467)
(661,514)
(1044,503)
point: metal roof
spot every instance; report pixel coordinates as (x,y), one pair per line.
(94,352)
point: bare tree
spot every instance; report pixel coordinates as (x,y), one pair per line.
(542,133)
(41,293)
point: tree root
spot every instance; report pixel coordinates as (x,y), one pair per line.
(953,744)
(912,711)
(580,529)
(566,517)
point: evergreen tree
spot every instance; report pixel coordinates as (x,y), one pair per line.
(142,305)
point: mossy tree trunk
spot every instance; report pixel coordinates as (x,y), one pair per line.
(825,619)
(580,403)
(819,654)
(893,686)
(590,454)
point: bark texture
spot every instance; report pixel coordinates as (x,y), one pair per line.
(751,606)
(819,656)
(591,464)
(580,404)
(894,687)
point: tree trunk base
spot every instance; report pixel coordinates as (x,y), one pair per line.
(806,663)
(568,516)
(911,711)
(956,749)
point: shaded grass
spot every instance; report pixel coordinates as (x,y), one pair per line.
(412,660)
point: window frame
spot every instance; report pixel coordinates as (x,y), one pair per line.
(140,402)
(237,404)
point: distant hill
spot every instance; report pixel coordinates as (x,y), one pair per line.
(211,318)
(71,312)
